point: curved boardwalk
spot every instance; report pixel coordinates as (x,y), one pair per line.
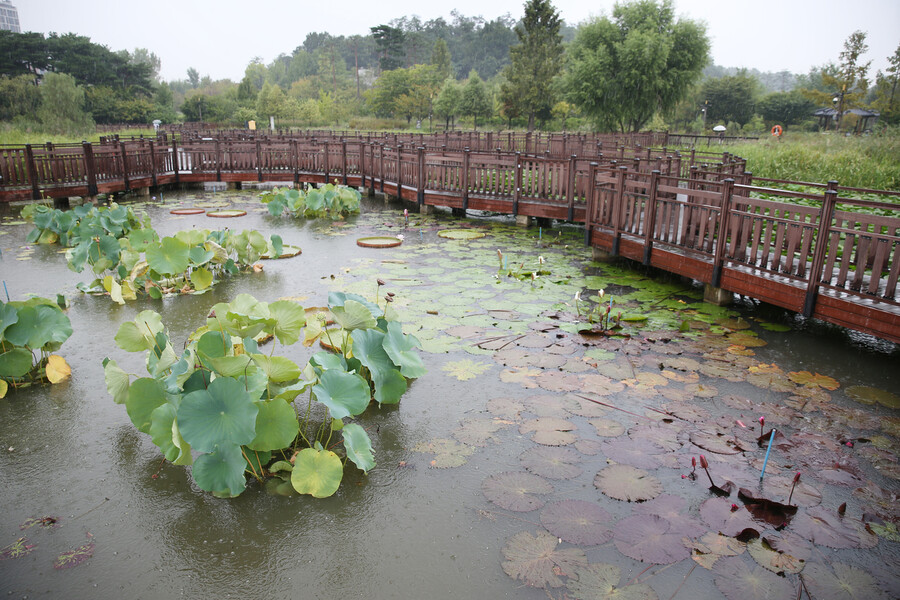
(696,214)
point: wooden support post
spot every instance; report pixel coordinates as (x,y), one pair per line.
(325,161)
(722,232)
(650,216)
(517,182)
(31,168)
(571,187)
(218,160)
(400,171)
(464,184)
(381,165)
(259,176)
(344,161)
(618,209)
(125,177)
(175,166)
(420,175)
(591,202)
(362,165)
(90,168)
(295,162)
(823,234)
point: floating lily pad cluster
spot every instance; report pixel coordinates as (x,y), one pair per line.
(332,201)
(30,332)
(83,223)
(242,410)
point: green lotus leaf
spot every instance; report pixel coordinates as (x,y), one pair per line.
(358,446)
(39,326)
(221,415)
(221,471)
(185,458)
(278,368)
(15,363)
(202,278)
(8,316)
(117,381)
(336,299)
(289,320)
(368,348)
(276,425)
(345,394)
(191,237)
(328,360)
(161,420)
(317,472)
(170,256)
(115,290)
(213,344)
(144,396)
(161,357)
(140,334)
(401,348)
(140,238)
(277,245)
(199,255)
(353,315)
(230,366)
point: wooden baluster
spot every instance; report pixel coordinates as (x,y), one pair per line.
(823,234)
(650,215)
(722,232)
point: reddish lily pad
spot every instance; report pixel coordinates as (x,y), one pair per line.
(549,431)
(718,514)
(778,562)
(601,581)
(717,442)
(505,408)
(674,510)
(650,538)
(637,453)
(551,462)
(536,560)
(738,581)
(624,482)
(578,522)
(607,427)
(821,526)
(845,582)
(17,549)
(780,487)
(515,490)
(477,432)
(807,379)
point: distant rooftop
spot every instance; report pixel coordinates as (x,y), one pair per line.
(9,17)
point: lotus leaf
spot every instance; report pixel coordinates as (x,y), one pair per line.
(289,320)
(221,471)
(8,316)
(345,394)
(42,326)
(276,425)
(4,387)
(317,472)
(279,369)
(353,315)
(202,278)
(15,363)
(401,348)
(140,334)
(169,257)
(117,380)
(221,415)
(368,348)
(161,420)
(57,369)
(358,446)
(199,255)
(144,396)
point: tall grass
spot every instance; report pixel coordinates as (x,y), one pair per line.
(871,161)
(19,135)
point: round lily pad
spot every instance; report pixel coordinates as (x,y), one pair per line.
(551,462)
(578,522)
(871,395)
(845,582)
(226,214)
(461,234)
(287,251)
(379,241)
(624,482)
(738,581)
(650,538)
(187,211)
(536,560)
(515,490)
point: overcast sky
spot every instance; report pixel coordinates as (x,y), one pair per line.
(220,37)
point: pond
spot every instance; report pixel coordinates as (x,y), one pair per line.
(531,461)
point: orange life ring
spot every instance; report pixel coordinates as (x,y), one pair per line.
(776,130)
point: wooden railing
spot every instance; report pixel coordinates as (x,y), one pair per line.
(817,253)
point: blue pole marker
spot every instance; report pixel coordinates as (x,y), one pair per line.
(769,449)
(540,233)
(6,290)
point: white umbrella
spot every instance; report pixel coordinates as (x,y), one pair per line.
(719,128)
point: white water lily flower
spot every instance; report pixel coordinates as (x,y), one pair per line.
(601,293)
(400,236)
(577,296)
(540,260)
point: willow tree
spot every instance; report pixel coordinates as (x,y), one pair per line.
(534,61)
(623,70)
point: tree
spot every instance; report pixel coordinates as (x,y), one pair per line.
(535,61)
(194,77)
(475,99)
(785,108)
(389,41)
(272,102)
(624,69)
(382,98)
(142,56)
(62,105)
(730,98)
(440,59)
(847,83)
(887,96)
(19,97)
(446,105)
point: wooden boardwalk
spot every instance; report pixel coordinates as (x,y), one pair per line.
(695,215)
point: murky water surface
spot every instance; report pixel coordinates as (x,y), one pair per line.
(527,410)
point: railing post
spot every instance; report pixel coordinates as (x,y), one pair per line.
(650,216)
(528,143)
(326,161)
(420,171)
(218,160)
(344,161)
(90,168)
(259,176)
(722,233)
(571,187)
(381,165)
(175,166)
(125,166)
(823,233)
(31,167)
(152,164)
(400,170)
(295,162)
(618,207)
(591,202)
(464,184)
(517,181)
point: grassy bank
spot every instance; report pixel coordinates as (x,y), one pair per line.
(858,161)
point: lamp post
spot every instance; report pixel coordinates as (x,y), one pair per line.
(703,109)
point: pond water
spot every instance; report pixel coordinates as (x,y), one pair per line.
(506,471)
